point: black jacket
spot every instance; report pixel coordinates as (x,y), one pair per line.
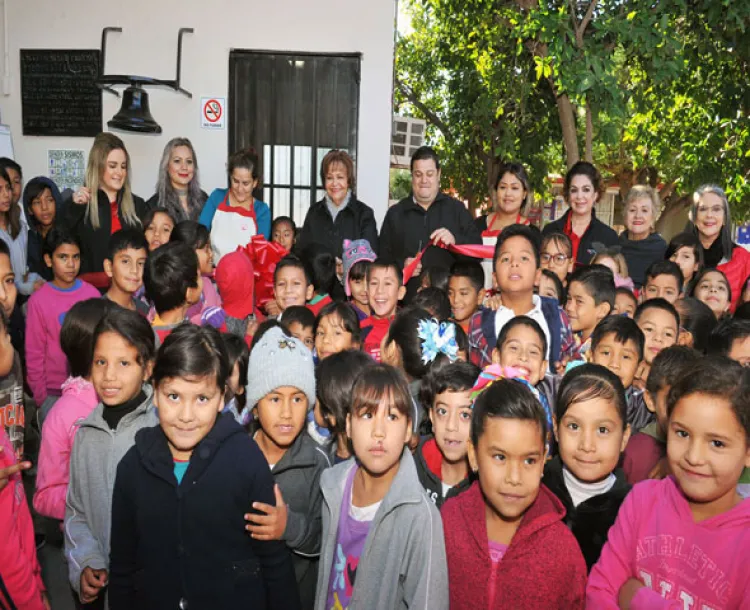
(639,255)
(597,231)
(355,221)
(188,542)
(34,259)
(432,484)
(590,520)
(95,242)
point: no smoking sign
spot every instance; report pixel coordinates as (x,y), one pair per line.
(213,112)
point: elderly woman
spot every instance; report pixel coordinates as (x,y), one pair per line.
(639,242)
(711,225)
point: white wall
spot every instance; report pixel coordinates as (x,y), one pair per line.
(147,46)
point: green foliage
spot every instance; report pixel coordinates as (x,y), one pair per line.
(400,184)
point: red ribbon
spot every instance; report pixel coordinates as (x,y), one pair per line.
(472,250)
(265,256)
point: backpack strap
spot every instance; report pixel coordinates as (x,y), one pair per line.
(551,312)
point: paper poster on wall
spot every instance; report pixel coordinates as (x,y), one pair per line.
(213,112)
(67,168)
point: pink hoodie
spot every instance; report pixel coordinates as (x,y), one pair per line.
(53,468)
(683,564)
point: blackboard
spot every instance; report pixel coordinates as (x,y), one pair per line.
(59,96)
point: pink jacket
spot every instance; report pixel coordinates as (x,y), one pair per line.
(209,298)
(20,573)
(53,468)
(682,564)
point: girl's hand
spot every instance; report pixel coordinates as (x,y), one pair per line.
(6,473)
(92,582)
(272,308)
(493,301)
(628,591)
(82,196)
(270,526)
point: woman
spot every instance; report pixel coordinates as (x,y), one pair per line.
(178,188)
(233,215)
(339,215)
(14,232)
(640,243)
(105,205)
(579,223)
(710,216)
(43,204)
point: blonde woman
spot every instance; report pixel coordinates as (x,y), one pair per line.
(105,205)
(641,244)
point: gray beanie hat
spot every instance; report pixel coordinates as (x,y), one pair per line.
(277,361)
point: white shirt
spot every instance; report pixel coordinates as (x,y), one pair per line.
(580,491)
(503,315)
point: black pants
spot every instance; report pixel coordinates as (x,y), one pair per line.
(97,604)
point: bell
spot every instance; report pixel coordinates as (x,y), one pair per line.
(134,114)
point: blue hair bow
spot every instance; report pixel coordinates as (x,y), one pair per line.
(437,338)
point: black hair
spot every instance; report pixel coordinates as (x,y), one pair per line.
(404,332)
(132,327)
(192,351)
(557,239)
(299,314)
(334,380)
(437,277)
(517,230)
(380,263)
(280,219)
(344,312)
(517,170)
(323,267)
(625,329)
(599,282)
(658,303)
(471,270)
(290,260)
(550,275)
(247,159)
(462,339)
(4,249)
(696,318)
(124,239)
(665,267)
(237,353)
(434,301)
(582,168)
(77,333)
(455,376)
(358,270)
(701,274)
(424,153)
(669,365)
(7,163)
(627,292)
(264,327)
(742,312)
(588,382)
(170,272)
(57,237)
(379,382)
(151,214)
(720,377)
(526,321)
(191,233)
(507,399)
(725,333)
(686,240)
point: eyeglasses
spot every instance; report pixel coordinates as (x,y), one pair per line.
(558,258)
(715,210)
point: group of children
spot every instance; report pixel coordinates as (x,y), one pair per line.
(476,449)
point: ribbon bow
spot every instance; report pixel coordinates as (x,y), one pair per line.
(437,338)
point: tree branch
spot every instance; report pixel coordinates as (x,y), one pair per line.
(586,20)
(431,116)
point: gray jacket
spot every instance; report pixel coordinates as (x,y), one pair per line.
(403,562)
(93,466)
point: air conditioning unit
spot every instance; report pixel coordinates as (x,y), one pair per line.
(406,136)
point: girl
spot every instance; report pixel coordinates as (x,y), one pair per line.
(178,188)
(235,399)
(122,360)
(506,544)
(697,321)
(613,259)
(14,232)
(625,302)
(77,402)
(336,329)
(434,277)
(233,215)
(357,257)
(641,244)
(683,542)
(281,388)
(591,431)
(377,521)
(685,250)
(104,205)
(556,255)
(158,225)
(42,202)
(712,287)
(284,232)
(551,286)
(180,491)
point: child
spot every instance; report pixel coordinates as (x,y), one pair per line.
(336,329)
(647,448)
(731,338)
(625,302)
(235,399)
(124,265)
(122,359)
(697,322)
(614,260)
(301,324)
(683,541)
(385,288)
(284,232)
(357,256)
(292,285)
(378,525)
(157,227)
(591,432)
(12,408)
(323,267)
(516,264)
(712,287)
(686,250)
(550,286)
(435,301)
(506,544)
(663,280)
(556,253)
(280,390)
(174,549)
(434,277)
(442,465)
(465,291)
(660,323)
(76,404)
(173,284)
(45,361)
(591,297)
(236,284)
(522,345)
(335,377)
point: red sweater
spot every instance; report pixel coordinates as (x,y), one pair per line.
(373,332)
(737,270)
(542,568)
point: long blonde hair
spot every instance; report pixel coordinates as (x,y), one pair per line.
(104,144)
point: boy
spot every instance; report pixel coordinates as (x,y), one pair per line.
(441,459)
(731,338)
(292,284)
(128,250)
(591,297)
(385,288)
(660,323)
(664,280)
(465,291)
(323,268)
(46,366)
(516,267)
(300,322)
(646,449)
(173,283)
(625,302)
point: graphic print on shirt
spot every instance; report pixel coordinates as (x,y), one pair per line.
(12,415)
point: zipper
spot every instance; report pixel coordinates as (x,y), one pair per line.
(492,585)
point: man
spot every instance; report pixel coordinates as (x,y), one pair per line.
(426,216)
